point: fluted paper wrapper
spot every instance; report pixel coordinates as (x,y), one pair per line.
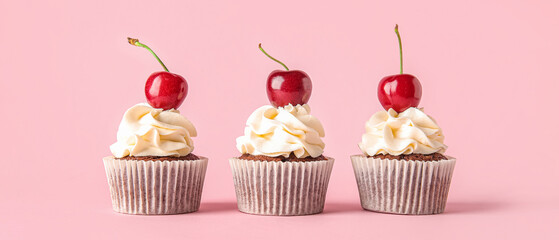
(155,187)
(401,186)
(281,188)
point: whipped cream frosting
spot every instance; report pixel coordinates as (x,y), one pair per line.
(411,131)
(281,131)
(147,131)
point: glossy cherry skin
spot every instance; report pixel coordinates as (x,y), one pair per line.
(285,87)
(166,90)
(399,92)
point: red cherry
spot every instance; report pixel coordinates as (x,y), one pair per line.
(285,87)
(399,92)
(163,89)
(166,90)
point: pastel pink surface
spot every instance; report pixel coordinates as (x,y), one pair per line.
(487,69)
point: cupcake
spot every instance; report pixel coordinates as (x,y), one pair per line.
(282,169)
(403,168)
(152,169)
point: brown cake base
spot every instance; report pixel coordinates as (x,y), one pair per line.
(160,158)
(412,157)
(276,188)
(403,187)
(155,187)
(291,158)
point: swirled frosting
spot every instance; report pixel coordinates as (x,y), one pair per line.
(411,131)
(147,131)
(281,131)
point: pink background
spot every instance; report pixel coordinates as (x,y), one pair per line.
(488,70)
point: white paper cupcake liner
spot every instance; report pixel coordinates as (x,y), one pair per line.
(281,188)
(401,186)
(155,187)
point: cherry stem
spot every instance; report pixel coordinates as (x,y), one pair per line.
(400,44)
(262,49)
(136,42)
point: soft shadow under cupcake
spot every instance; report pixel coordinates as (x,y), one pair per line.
(211,207)
(473,207)
(342,207)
